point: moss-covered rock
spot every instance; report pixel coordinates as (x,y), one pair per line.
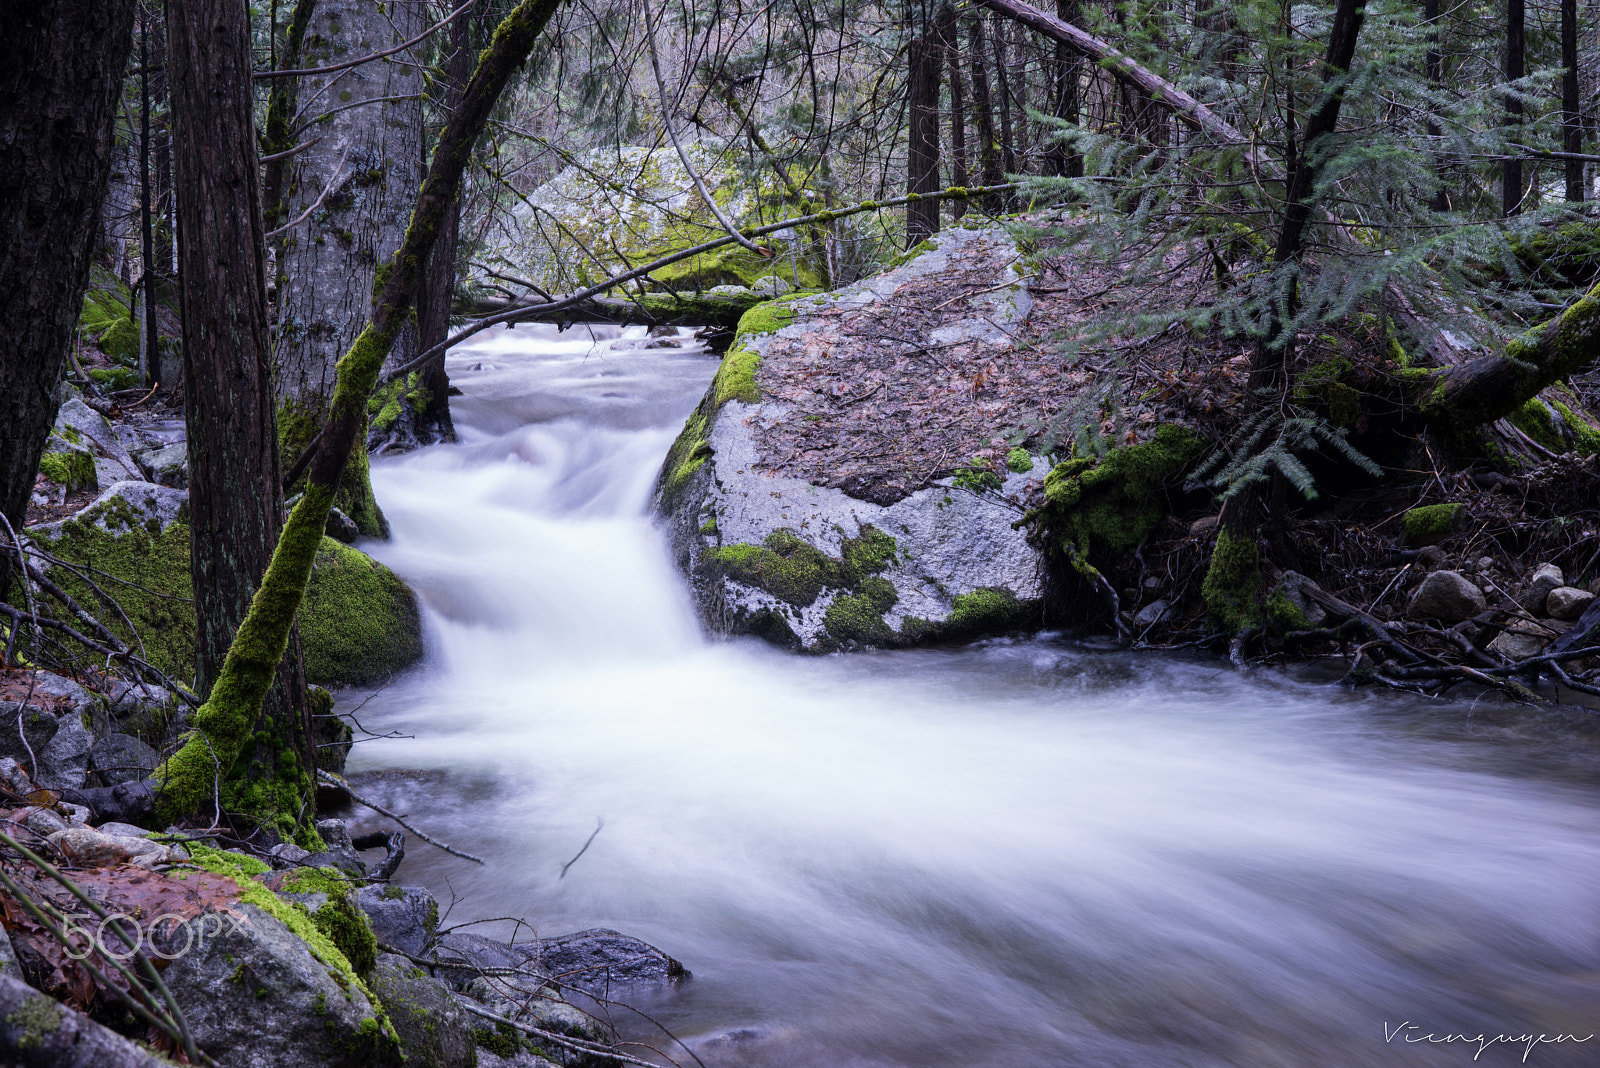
(1110,505)
(67,464)
(359,623)
(1432,522)
(1232,586)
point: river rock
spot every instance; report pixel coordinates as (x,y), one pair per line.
(1567,602)
(87,848)
(1521,639)
(64,761)
(166,466)
(359,624)
(256,997)
(120,758)
(25,731)
(435,1031)
(533,1002)
(38,1031)
(1293,587)
(43,821)
(1447,596)
(1546,577)
(599,960)
(856,552)
(403,917)
(1152,613)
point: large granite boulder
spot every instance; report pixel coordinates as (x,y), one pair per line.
(839,487)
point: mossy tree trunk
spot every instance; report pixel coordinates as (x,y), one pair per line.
(235,503)
(224,723)
(368,162)
(58,97)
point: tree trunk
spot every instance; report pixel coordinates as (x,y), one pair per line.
(235,504)
(988,150)
(1008,144)
(223,725)
(279,132)
(1065,70)
(959,176)
(1516,67)
(368,164)
(1571,118)
(437,295)
(922,153)
(151,362)
(1433,68)
(58,99)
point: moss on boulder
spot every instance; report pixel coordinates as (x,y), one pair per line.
(1432,522)
(359,623)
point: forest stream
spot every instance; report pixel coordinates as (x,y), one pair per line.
(1022,852)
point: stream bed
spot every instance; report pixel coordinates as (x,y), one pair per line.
(1021,852)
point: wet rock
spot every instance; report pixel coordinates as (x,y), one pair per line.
(88,848)
(341,527)
(434,1030)
(122,758)
(168,466)
(1447,596)
(598,960)
(287,855)
(25,731)
(1567,602)
(463,957)
(532,1002)
(44,822)
(36,1030)
(15,778)
(359,624)
(64,761)
(1294,588)
(403,917)
(1521,639)
(256,997)
(1152,613)
(1546,577)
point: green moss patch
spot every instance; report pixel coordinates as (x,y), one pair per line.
(344,925)
(1232,586)
(359,623)
(1111,506)
(1432,522)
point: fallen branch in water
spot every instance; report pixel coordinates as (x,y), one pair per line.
(335,781)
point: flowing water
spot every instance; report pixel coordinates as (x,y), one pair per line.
(1017,853)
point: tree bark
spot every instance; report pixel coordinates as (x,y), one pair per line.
(1571,118)
(951,39)
(223,724)
(58,99)
(235,504)
(1516,67)
(368,163)
(988,150)
(922,152)
(1065,70)
(435,298)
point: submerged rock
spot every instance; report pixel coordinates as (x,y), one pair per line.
(819,555)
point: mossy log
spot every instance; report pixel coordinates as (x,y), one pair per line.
(1493,387)
(650,309)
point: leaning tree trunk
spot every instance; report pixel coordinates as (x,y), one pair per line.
(366,170)
(58,97)
(223,725)
(235,503)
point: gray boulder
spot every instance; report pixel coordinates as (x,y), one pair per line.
(1521,639)
(37,1031)
(1293,587)
(1567,603)
(120,758)
(434,1030)
(600,960)
(19,722)
(403,917)
(1447,596)
(64,762)
(255,996)
(877,554)
(113,463)
(166,466)
(1546,577)
(538,1004)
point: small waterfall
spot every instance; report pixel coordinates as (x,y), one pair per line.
(1018,853)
